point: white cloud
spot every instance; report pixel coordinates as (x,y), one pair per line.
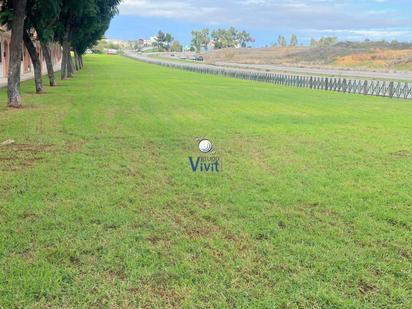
(168,9)
(275,14)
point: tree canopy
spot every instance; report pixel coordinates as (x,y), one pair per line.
(76,25)
(163,41)
(200,39)
(324,41)
(282,41)
(293,40)
(226,38)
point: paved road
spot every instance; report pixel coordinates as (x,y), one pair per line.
(147,56)
(395,76)
(407,76)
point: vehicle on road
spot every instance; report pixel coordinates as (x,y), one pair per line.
(196,58)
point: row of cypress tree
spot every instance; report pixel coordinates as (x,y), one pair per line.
(75,24)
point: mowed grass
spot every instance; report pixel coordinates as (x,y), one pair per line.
(99,206)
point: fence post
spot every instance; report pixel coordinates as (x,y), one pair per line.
(344,86)
(365,87)
(311,82)
(391,90)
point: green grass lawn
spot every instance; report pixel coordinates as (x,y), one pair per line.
(99,206)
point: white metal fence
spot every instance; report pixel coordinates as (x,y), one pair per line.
(366,87)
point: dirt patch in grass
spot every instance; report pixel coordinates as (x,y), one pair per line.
(17,164)
(29,215)
(7,159)
(405,253)
(116,275)
(402,153)
(366,288)
(21,156)
(398,223)
(198,231)
(75,147)
(156,291)
(26,147)
(159,296)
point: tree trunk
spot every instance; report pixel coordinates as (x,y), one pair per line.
(16,49)
(66,53)
(76,61)
(49,63)
(35,60)
(70,65)
(81,61)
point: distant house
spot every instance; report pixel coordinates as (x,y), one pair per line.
(142,44)
(118,43)
(111,51)
(211,45)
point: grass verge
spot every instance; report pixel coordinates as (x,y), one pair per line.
(99,206)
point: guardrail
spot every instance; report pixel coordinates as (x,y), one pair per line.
(389,89)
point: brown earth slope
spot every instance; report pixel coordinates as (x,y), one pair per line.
(338,56)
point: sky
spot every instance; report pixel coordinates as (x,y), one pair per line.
(266,19)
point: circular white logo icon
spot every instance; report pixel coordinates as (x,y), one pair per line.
(205,146)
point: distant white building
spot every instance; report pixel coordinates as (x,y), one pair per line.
(111,51)
(210,45)
(120,43)
(144,43)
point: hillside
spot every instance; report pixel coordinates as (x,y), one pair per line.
(342,55)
